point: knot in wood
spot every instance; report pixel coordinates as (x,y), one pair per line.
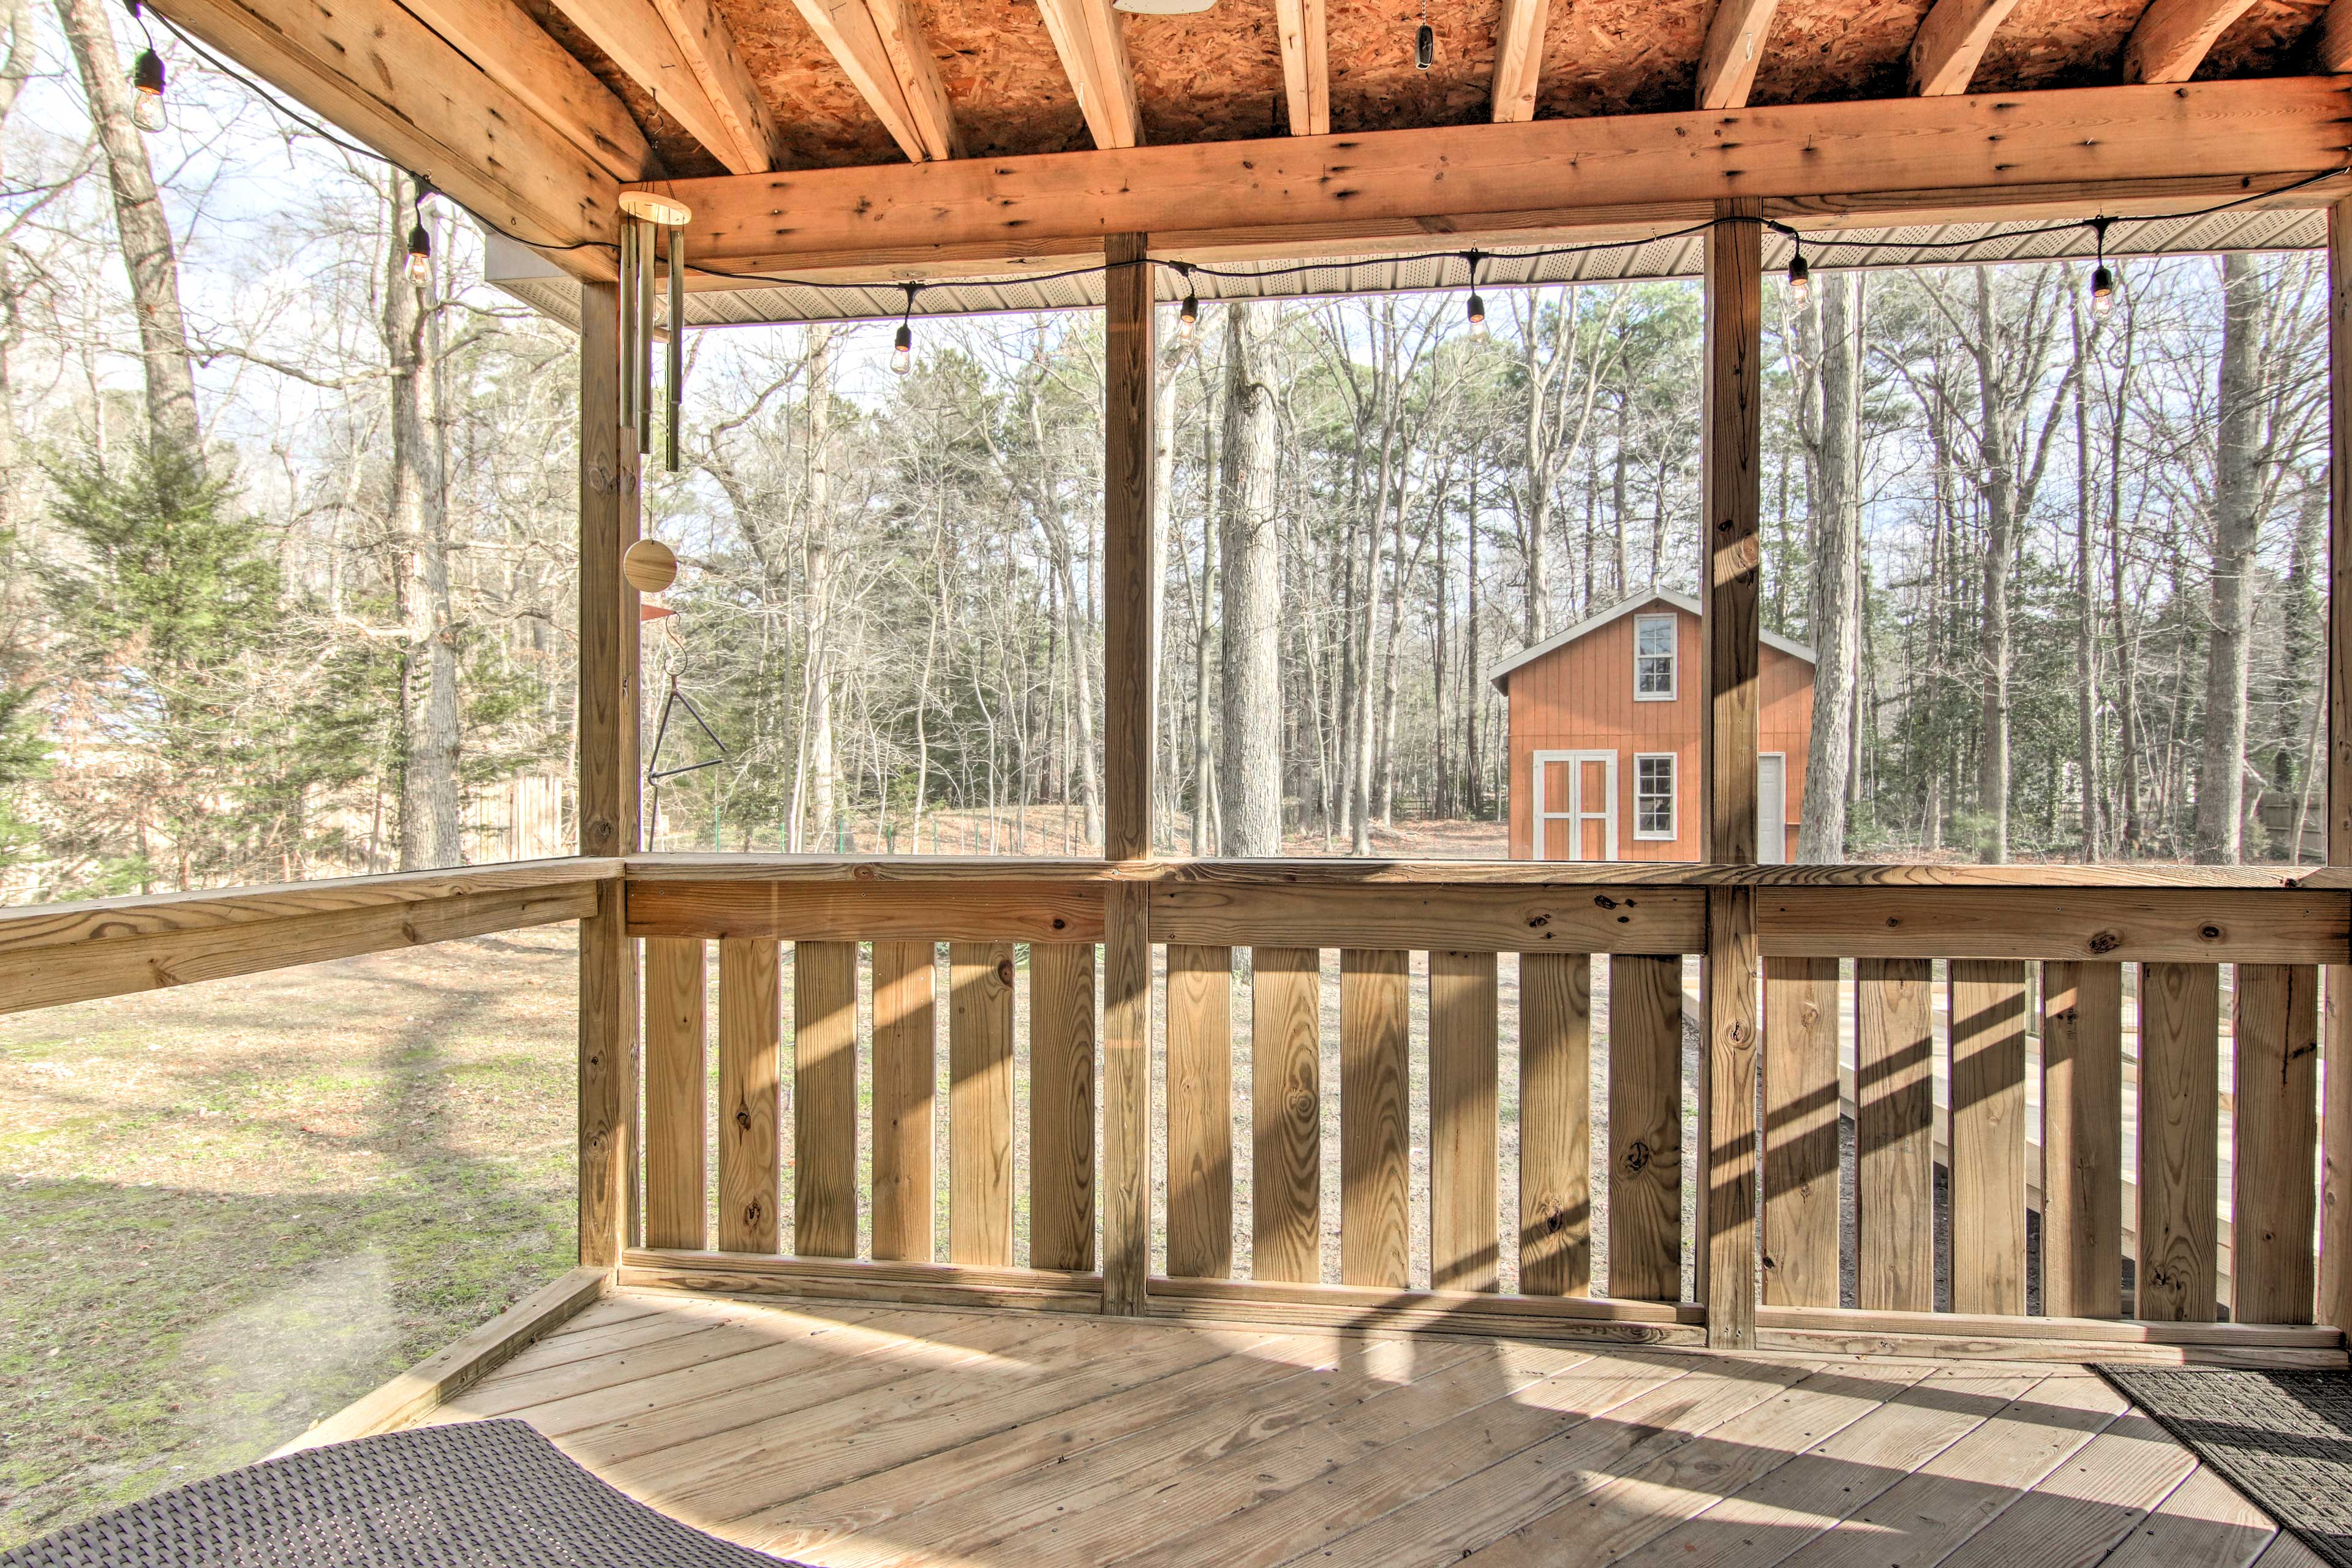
(2210,934)
(1637,1156)
(1737,1034)
(863,874)
(2105,942)
(744,1116)
(1301,1106)
(1004,971)
(1060,924)
(1605,901)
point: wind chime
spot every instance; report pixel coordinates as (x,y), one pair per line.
(650,222)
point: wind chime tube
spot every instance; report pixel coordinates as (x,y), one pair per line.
(628,320)
(676,334)
(644,363)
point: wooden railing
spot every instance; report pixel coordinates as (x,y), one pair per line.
(2014,955)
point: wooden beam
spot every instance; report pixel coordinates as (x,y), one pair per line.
(1735,45)
(879,46)
(607,722)
(1950,43)
(2173,35)
(1467,919)
(681,52)
(1088,35)
(378,74)
(1518,58)
(1130,671)
(1011,910)
(441,1377)
(2111,925)
(1403,187)
(513,51)
(1306,65)
(2336,1061)
(1732,434)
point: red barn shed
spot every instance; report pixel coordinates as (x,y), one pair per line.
(1604,737)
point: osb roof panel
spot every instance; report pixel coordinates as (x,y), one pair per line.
(824,122)
(1212,77)
(1375,85)
(2058,43)
(1004,82)
(681,154)
(1824,50)
(2271,39)
(1620,57)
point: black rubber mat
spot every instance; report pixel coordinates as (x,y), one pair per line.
(481,1494)
(2283,1439)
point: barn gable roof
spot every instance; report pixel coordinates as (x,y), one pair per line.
(1682,602)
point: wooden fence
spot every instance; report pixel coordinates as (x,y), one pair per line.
(1433,948)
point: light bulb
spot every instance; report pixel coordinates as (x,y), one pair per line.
(147,94)
(1477,318)
(1425,47)
(2102,290)
(902,350)
(1188,315)
(1800,279)
(420,255)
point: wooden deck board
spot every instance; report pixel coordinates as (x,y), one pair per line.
(851,1435)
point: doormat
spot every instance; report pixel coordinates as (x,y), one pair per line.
(2283,1439)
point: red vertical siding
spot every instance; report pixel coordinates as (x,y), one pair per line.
(1580,698)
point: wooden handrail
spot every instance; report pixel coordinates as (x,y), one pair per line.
(56,953)
(1350,872)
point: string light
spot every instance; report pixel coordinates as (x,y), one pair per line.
(146,80)
(1478,310)
(420,241)
(1801,277)
(902,346)
(1188,315)
(2103,280)
(1425,42)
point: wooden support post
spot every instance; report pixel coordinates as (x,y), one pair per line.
(1732,432)
(607,717)
(1130,655)
(2336,1065)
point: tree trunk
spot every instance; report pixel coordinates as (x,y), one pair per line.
(821,806)
(1999,437)
(2222,767)
(429,828)
(1837,525)
(2087,609)
(1250,793)
(145,232)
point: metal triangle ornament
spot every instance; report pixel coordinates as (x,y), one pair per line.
(677,701)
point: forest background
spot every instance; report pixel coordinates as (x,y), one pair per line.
(287,539)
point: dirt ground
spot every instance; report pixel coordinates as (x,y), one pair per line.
(232,1209)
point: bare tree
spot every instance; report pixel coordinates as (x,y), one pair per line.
(1250,793)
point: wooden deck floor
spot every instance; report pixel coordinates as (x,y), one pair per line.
(850,1434)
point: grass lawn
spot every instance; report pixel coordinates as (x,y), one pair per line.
(232,1209)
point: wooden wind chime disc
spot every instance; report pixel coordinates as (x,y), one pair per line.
(649,567)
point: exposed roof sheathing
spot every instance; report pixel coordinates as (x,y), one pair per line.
(1823,50)
(1213,77)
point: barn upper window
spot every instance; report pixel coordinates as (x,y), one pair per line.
(1653,659)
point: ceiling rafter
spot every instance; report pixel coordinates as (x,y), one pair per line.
(1735,43)
(1950,42)
(2173,36)
(1088,36)
(2332,39)
(879,46)
(513,51)
(1306,65)
(381,75)
(1518,58)
(681,53)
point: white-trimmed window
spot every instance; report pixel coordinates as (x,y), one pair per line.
(1653,795)
(1653,659)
